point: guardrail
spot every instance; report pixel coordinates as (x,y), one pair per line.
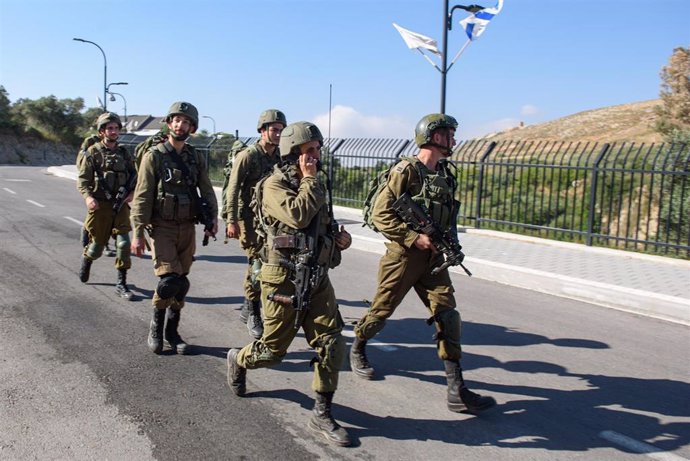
(622,195)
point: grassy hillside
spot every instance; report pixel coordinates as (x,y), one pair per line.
(626,122)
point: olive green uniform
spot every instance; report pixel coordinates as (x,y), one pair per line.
(115,166)
(404,266)
(163,201)
(249,166)
(288,210)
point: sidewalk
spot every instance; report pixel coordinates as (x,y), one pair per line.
(648,285)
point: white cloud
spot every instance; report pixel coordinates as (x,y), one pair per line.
(346,122)
(529,109)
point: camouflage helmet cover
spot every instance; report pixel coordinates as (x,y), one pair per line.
(270,116)
(107,117)
(186,109)
(429,123)
(296,134)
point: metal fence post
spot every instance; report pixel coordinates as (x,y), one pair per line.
(480,182)
(593,193)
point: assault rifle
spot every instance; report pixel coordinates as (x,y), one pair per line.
(417,218)
(306,273)
(205,217)
(122,192)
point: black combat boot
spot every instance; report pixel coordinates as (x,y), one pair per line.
(172,337)
(85,270)
(323,423)
(237,375)
(460,398)
(155,339)
(255,323)
(121,285)
(358,359)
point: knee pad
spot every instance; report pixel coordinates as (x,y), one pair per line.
(184,289)
(122,241)
(448,326)
(332,353)
(168,286)
(369,327)
(94,250)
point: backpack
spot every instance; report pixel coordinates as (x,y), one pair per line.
(237,147)
(376,185)
(145,145)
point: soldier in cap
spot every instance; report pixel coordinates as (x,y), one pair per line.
(292,206)
(104,168)
(411,256)
(171,174)
(248,167)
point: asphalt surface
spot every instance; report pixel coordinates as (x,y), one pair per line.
(573,380)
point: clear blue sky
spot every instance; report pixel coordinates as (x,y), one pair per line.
(538,59)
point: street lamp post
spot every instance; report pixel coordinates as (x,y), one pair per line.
(107,88)
(448,25)
(105,71)
(112,98)
(214,123)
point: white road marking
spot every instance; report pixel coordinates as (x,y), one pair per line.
(9,190)
(75,221)
(372,342)
(35,203)
(639,447)
(18,180)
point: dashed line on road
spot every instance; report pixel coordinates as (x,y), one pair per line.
(639,447)
(18,180)
(35,203)
(9,190)
(75,221)
(372,342)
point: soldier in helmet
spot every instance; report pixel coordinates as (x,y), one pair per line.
(170,175)
(250,165)
(292,205)
(410,257)
(103,168)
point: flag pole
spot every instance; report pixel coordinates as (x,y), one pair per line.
(459,53)
(429,59)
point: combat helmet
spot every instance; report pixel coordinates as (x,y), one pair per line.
(271,116)
(186,109)
(105,118)
(296,134)
(429,123)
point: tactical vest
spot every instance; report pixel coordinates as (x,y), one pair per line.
(261,165)
(282,242)
(111,166)
(436,192)
(174,201)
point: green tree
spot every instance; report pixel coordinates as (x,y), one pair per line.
(674,113)
(58,120)
(5,115)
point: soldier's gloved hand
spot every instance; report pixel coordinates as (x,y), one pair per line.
(91,203)
(343,239)
(215,228)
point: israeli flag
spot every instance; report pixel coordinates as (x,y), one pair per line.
(475,24)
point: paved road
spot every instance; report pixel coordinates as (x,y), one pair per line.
(573,380)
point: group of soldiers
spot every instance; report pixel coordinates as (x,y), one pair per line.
(278,204)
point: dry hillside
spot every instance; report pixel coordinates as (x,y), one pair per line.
(626,122)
